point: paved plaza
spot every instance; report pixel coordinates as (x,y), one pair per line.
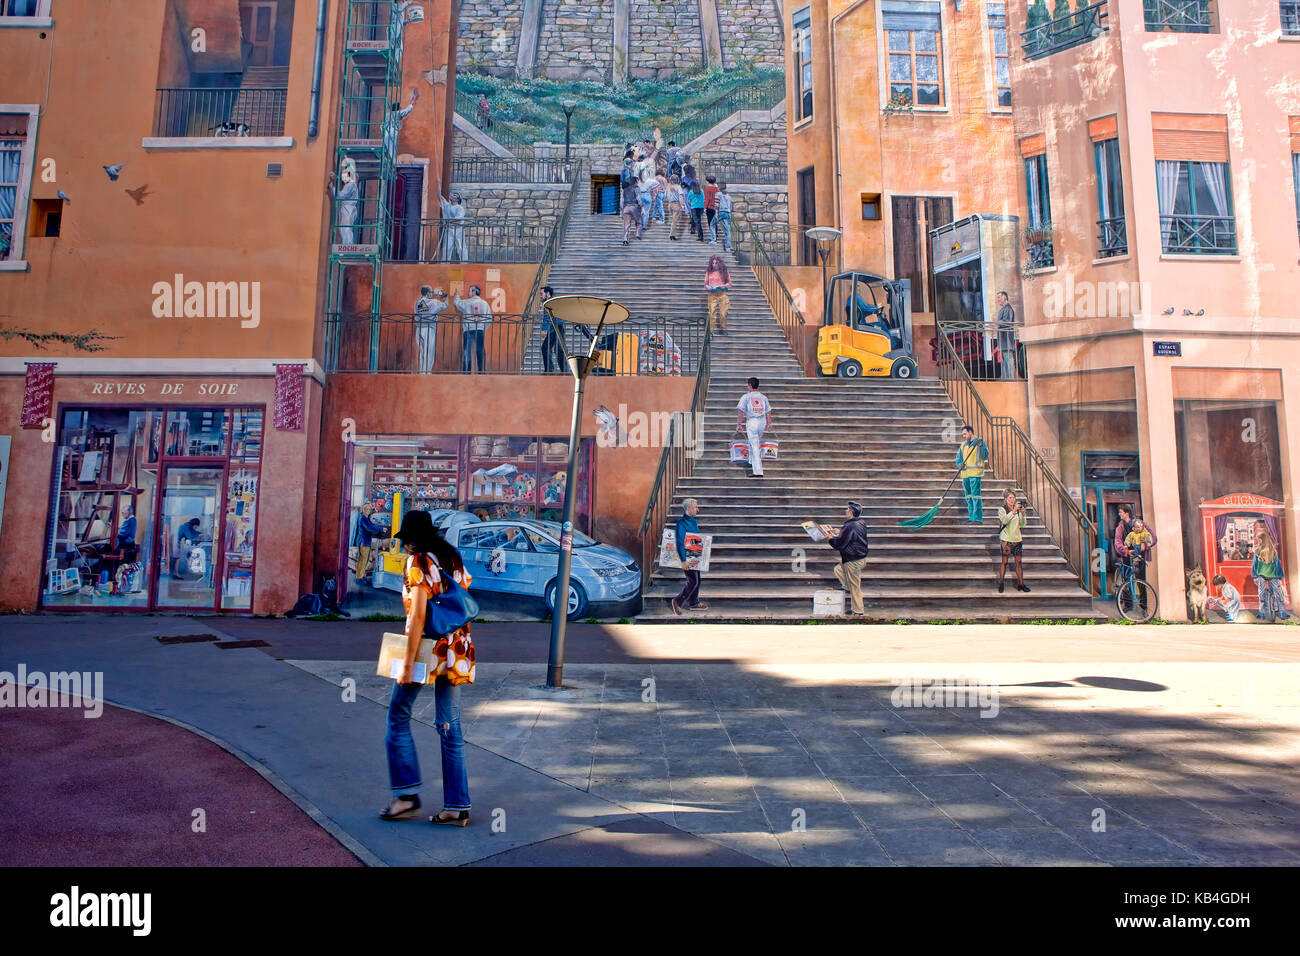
(723,745)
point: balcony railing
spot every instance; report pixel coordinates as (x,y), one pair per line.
(1060,33)
(1112,239)
(761,96)
(498,170)
(231,112)
(1199,235)
(1179,16)
(443,345)
(467,105)
(501,239)
(1290,10)
(1038,241)
(988,351)
(732,169)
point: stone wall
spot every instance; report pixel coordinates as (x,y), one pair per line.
(751,141)
(577,40)
(598,158)
(577,37)
(489,36)
(762,204)
(751,33)
(464,146)
(664,39)
(487,200)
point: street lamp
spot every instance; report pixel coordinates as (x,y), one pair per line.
(825,237)
(569,106)
(583,310)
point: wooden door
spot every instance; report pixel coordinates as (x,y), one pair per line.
(257,19)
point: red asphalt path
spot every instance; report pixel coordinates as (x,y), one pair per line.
(121,790)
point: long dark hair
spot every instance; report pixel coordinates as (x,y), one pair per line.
(716,264)
(418,531)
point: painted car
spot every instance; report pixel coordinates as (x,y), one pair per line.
(522,557)
(447,520)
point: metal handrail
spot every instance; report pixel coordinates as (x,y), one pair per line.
(1013,457)
(1179,16)
(467,106)
(1198,235)
(764,96)
(1113,238)
(778,296)
(731,168)
(222,112)
(676,462)
(549,254)
(494,169)
(486,239)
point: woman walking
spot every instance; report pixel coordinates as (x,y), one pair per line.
(675,198)
(428,555)
(717,280)
(1266,570)
(695,202)
(1012,516)
(631,212)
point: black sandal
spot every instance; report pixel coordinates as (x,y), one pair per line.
(461,818)
(407,814)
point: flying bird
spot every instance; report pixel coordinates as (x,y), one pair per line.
(64,197)
(1168,311)
(139,194)
(114,170)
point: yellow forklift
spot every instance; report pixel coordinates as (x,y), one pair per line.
(867,328)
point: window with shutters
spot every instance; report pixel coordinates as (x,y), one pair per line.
(1000,54)
(914,53)
(1193,185)
(1038,228)
(1112,231)
(17,139)
(803,59)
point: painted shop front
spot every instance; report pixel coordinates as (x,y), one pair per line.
(159,494)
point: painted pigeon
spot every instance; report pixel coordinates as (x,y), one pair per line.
(1168,311)
(114,170)
(64,197)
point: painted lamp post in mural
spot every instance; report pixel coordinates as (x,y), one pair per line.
(569,106)
(582,310)
(825,237)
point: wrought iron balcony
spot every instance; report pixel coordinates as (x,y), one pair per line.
(1290,10)
(1199,235)
(1112,240)
(1038,241)
(230,112)
(1180,16)
(1045,37)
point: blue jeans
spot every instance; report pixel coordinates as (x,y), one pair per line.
(647,203)
(722,223)
(657,210)
(974,499)
(404,765)
(471,341)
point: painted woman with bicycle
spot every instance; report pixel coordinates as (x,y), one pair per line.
(1134,591)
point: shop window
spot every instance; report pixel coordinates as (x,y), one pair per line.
(914,51)
(134,524)
(803,66)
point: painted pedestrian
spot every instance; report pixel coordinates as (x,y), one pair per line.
(853,546)
(1012,515)
(753,417)
(972,458)
(687,524)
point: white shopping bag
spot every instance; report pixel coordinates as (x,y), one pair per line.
(697,545)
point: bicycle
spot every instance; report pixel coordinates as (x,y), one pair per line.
(1135,599)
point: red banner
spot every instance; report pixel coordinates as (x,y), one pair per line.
(290,398)
(38,398)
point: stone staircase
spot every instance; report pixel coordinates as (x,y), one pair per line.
(884,443)
(656,277)
(876,441)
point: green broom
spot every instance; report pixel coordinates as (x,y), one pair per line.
(922,520)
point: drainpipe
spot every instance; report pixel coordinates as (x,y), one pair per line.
(835,118)
(313,121)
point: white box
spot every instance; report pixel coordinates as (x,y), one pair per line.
(702,545)
(828,603)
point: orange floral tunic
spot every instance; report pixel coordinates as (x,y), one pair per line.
(454,652)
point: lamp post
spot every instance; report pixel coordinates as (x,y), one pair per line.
(569,106)
(825,237)
(582,310)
